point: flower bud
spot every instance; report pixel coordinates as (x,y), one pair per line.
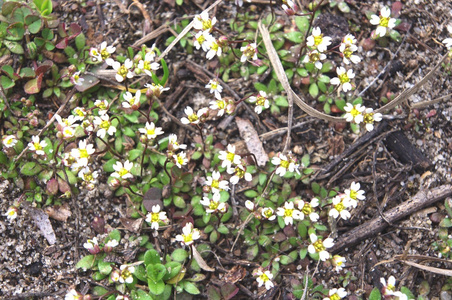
(223,41)
(114,183)
(114,276)
(206,189)
(72,69)
(230,107)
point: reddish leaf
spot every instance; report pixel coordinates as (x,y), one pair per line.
(52,186)
(33,86)
(63,43)
(74,30)
(396,8)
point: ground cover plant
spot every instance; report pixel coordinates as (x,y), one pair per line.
(205,209)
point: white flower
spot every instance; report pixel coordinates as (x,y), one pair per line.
(89,177)
(73,295)
(83,153)
(339,208)
(104,126)
(189,235)
(219,105)
(103,54)
(289,213)
(215,88)
(369,118)
(126,274)
(102,105)
(354,113)
(76,79)
(156,89)
(215,183)
(180,159)
(69,122)
(448,43)
(193,118)
(285,163)
(320,246)
(9,141)
(264,278)
(151,131)
(268,213)
(347,48)
(261,101)
(123,71)
(203,22)
(229,157)
(314,57)
(201,40)
(249,52)
(80,113)
(384,21)
(290,8)
(122,171)
(214,48)
(36,145)
(11,213)
(343,79)
(155,217)
(131,101)
(389,289)
(336,294)
(213,205)
(239,172)
(307,209)
(67,132)
(111,244)
(249,205)
(92,246)
(338,262)
(317,40)
(147,65)
(173,145)
(354,193)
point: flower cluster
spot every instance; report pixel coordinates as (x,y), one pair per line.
(234,165)
(94,247)
(388,289)
(285,163)
(260,100)
(384,22)
(343,202)
(359,114)
(204,39)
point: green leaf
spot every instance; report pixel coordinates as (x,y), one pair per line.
(251,193)
(327,108)
(375,295)
(14,47)
(305,161)
(80,41)
(15,31)
(223,229)
(108,166)
(33,86)
(302,23)
(105,267)
(179,2)
(151,257)
(179,255)
(179,202)
(314,90)
(86,262)
(141,295)
(156,272)
(191,288)
(260,86)
(281,101)
(173,269)
(6,82)
(34,23)
(407,292)
(294,36)
(30,168)
(343,7)
(156,288)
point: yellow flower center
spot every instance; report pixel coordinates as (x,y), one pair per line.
(154,217)
(188,238)
(313,57)
(180,160)
(354,112)
(344,78)
(264,277)
(123,172)
(369,118)
(193,118)
(335,297)
(125,274)
(261,100)
(353,194)
(318,245)
(347,52)
(214,205)
(307,209)
(37,146)
(105,124)
(221,104)
(150,131)
(83,153)
(76,77)
(288,212)
(215,184)
(268,213)
(201,39)
(147,65)
(239,172)
(206,24)
(122,71)
(339,207)
(102,105)
(249,52)
(104,54)
(88,176)
(214,46)
(230,156)
(285,164)
(318,39)
(384,21)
